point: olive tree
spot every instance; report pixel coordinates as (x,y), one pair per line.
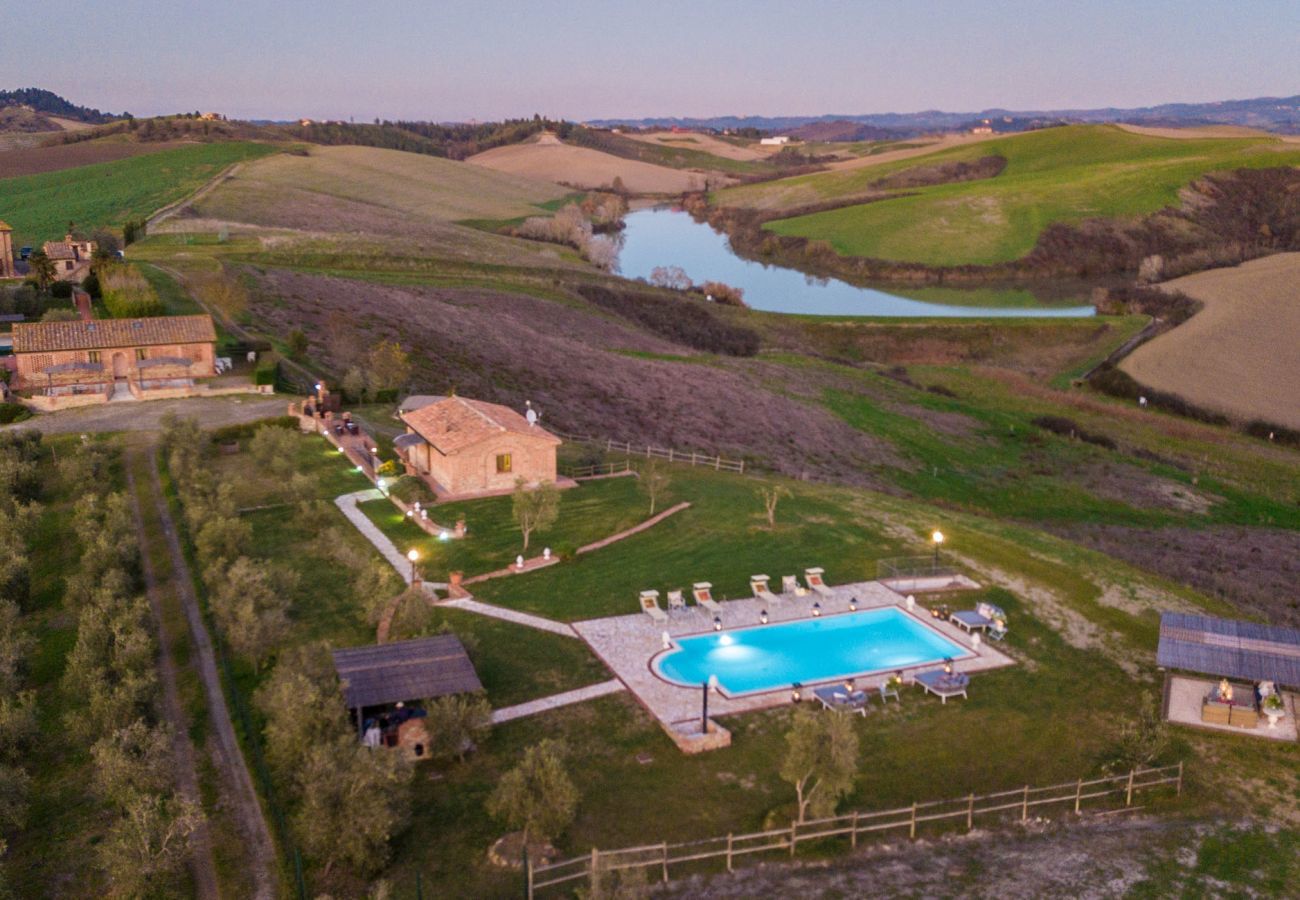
(535,508)
(537,796)
(821,760)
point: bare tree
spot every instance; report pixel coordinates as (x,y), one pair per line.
(671,277)
(654,480)
(535,508)
(772,495)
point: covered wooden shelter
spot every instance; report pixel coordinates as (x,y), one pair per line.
(404,671)
(1229,648)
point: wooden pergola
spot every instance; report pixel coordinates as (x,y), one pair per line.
(403,671)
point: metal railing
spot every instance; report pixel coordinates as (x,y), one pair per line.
(962,811)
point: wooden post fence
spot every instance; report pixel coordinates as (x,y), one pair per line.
(997,806)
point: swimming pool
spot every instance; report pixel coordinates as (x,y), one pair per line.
(773,657)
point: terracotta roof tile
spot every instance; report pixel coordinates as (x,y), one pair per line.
(47,337)
(59,250)
(457,422)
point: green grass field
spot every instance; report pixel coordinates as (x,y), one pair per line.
(104,195)
(1055,175)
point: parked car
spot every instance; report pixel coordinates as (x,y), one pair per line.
(24,253)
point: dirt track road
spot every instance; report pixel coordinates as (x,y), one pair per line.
(212,412)
(236,783)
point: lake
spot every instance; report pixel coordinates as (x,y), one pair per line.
(661,236)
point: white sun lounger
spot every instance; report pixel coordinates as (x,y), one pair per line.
(843,701)
(758,584)
(676,601)
(943,684)
(790,585)
(703,593)
(650,606)
(816,582)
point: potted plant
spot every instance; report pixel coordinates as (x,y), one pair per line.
(1272,707)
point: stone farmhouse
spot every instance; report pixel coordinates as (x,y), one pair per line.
(464,447)
(71,257)
(114,358)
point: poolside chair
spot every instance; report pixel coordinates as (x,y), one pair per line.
(816,582)
(703,593)
(650,606)
(943,684)
(758,584)
(982,617)
(887,691)
(790,585)
(676,601)
(840,700)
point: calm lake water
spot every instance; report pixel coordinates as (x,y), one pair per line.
(668,237)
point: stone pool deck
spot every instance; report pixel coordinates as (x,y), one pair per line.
(628,645)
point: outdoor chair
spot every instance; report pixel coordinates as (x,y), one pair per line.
(985,617)
(842,701)
(817,582)
(676,602)
(887,691)
(759,585)
(703,593)
(943,684)
(790,585)
(650,606)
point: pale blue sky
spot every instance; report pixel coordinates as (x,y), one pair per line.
(580,60)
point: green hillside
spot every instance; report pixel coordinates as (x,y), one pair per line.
(1055,175)
(39,207)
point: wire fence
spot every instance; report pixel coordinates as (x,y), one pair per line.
(961,812)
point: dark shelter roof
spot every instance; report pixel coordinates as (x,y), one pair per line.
(1229,648)
(405,670)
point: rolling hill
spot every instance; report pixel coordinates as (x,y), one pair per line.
(550,159)
(1055,175)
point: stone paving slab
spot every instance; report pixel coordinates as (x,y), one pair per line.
(628,645)
(348,504)
(555,701)
(510,615)
(1184,708)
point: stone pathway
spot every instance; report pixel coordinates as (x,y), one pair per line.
(510,615)
(348,504)
(533,707)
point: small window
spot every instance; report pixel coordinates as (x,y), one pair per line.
(93,356)
(68,266)
(503,464)
(141,353)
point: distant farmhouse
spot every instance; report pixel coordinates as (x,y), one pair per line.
(985,127)
(469,447)
(114,358)
(776,141)
(71,258)
(7,269)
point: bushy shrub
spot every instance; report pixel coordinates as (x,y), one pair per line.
(61,290)
(245,430)
(126,293)
(1110,380)
(1069,428)
(1271,431)
(13,412)
(408,489)
(267,372)
(683,321)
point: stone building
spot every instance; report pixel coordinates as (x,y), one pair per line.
(71,258)
(469,447)
(113,357)
(7,269)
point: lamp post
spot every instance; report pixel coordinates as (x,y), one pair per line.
(704,712)
(413,555)
(937,538)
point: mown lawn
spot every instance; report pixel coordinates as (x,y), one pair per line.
(1055,175)
(105,195)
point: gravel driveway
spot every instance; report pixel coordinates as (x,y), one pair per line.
(212,412)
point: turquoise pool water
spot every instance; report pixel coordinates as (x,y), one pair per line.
(773,657)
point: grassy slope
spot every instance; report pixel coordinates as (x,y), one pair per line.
(408,183)
(1055,175)
(39,207)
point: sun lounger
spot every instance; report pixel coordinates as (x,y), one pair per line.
(758,584)
(676,601)
(790,585)
(650,606)
(985,617)
(943,684)
(703,593)
(817,582)
(842,701)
